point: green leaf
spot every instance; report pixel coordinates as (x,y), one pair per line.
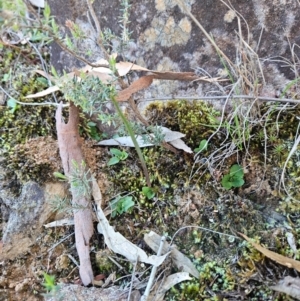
(237,170)
(42,80)
(12,103)
(202,146)
(112,64)
(123,156)
(148,192)
(49,282)
(69,42)
(226,183)
(116,152)
(60,175)
(93,131)
(95,134)
(6,77)
(237,182)
(234,178)
(121,205)
(54,26)
(127,203)
(113,161)
(54,72)
(47,11)
(37,36)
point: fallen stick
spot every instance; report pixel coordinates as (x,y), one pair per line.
(73,162)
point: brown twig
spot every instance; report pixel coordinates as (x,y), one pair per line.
(70,152)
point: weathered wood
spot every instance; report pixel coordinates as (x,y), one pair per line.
(70,152)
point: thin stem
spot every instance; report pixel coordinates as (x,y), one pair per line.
(261,98)
(136,145)
(32,103)
(153,271)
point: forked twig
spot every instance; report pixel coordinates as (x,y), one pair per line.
(153,272)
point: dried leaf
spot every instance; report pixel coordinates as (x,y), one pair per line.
(38,3)
(100,62)
(117,242)
(44,93)
(286,261)
(105,77)
(179,144)
(127,141)
(292,242)
(169,75)
(99,277)
(123,68)
(145,81)
(289,286)
(161,287)
(60,223)
(181,261)
(110,279)
(140,84)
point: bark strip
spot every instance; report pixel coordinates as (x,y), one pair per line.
(70,152)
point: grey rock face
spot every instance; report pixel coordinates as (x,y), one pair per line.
(25,216)
(165,38)
(24,209)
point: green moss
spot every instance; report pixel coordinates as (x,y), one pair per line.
(26,169)
(103,262)
(213,279)
(163,168)
(196,119)
(25,122)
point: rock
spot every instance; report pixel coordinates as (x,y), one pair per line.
(164,37)
(26,216)
(23,285)
(3,281)
(70,291)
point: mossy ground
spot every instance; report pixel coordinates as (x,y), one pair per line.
(257,209)
(19,123)
(186,194)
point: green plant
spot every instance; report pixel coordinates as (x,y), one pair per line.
(148,192)
(202,146)
(279,149)
(53,289)
(49,283)
(60,176)
(11,103)
(234,178)
(89,129)
(121,205)
(80,179)
(117,156)
(93,131)
(60,205)
(289,86)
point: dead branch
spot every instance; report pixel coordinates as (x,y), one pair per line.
(70,153)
